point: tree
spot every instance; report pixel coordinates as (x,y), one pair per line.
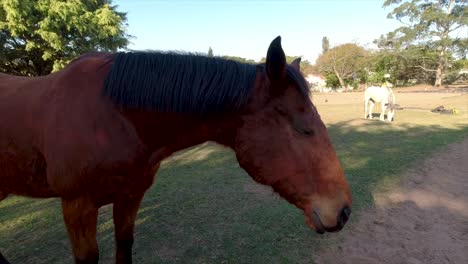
(401,66)
(305,65)
(41,36)
(325,44)
(210,52)
(343,61)
(239,59)
(429,23)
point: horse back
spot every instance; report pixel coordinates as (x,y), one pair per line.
(377,93)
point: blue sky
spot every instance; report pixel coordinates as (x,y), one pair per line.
(245,28)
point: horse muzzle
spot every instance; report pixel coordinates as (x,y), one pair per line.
(341,219)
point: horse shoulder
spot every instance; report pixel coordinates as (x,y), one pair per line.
(90,150)
(86,139)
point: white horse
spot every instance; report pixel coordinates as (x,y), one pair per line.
(382,95)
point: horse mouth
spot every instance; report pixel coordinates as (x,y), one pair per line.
(315,218)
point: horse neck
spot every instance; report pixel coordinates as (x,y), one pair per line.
(175,132)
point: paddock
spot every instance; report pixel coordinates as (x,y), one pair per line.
(234,220)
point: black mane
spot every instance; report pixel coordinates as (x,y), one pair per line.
(183,83)
(179,83)
(296,77)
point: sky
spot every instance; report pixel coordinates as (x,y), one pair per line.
(246,28)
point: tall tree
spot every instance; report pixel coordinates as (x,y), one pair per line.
(41,36)
(325,44)
(239,59)
(344,61)
(305,65)
(210,52)
(429,23)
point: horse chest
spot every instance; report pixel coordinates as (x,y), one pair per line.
(23,171)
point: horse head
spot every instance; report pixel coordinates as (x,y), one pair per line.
(282,142)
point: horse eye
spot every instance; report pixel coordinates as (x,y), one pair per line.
(304,131)
(280,111)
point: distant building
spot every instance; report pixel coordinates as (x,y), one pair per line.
(316,82)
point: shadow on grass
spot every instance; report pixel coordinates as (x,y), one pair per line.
(375,154)
(203,208)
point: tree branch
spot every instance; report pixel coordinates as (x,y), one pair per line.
(424,69)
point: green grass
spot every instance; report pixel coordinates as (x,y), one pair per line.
(205,209)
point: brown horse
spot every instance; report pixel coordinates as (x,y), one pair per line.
(95,133)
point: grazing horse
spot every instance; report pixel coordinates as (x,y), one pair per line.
(382,95)
(96,132)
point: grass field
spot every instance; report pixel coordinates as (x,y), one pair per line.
(205,209)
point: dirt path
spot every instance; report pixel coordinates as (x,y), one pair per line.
(425,221)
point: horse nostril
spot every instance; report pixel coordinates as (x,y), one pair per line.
(344,215)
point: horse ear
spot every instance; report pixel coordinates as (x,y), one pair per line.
(276,60)
(296,64)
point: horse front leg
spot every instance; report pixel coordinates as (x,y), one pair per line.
(382,113)
(3,260)
(3,195)
(80,217)
(371,109)
(366,102)
(125,211)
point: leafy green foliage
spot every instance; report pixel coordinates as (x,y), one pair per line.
(415,63)
(343,61)
(305,65)
(332,81)
(41,36)
(430,24)
(239,59)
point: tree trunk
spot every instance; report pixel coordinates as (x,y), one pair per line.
(440,68)
(439,73)
(442,54)
(342,84)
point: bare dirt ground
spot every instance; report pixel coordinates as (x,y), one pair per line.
(425,221)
